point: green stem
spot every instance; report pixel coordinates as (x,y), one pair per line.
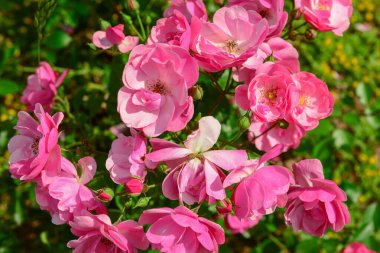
(141,25)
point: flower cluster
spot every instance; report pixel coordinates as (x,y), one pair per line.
(157,100)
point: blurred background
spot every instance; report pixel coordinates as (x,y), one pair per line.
(347,143)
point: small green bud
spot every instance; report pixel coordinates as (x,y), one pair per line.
(244,122)
(283,124)
(196,92)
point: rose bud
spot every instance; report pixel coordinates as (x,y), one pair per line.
(105,194)
(134,186)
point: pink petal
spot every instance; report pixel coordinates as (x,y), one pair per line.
(128,43)
(226,159)
(214,185)
(99,39)
(307,169)
(88,167)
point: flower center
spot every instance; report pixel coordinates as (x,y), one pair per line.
(304,100)
(158,87)
(232,47)
(35,146)
(322,6)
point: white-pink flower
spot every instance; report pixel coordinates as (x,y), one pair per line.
(42,87)
(155,93)
(126,158)
(233,37)
(115,36)
(194,170)
(97,234)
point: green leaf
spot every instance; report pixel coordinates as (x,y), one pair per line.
(58,40)
(8,87)
(364,93)
(142,202)
(342,138)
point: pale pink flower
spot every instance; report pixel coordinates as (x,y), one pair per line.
(315,204)
(233,37)
(189,8)
(194,170)
(126,158)
(173,30)
(271,10)
(35,148)
(239,226)
(265,95)
(264,139)
(309,100)
(115,36)
(326,15)
(97,234)
(67,196)
(181,230)
(260,188)
(357,247)
(155,93)
(42,87)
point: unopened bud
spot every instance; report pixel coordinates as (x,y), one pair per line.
(196,92)
(133,4)
(283,124)
(105,194)
(224,206)
(134,186)
(310,34)
(244,122)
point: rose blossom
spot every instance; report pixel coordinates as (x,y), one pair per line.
(155,93)
(126,158)
(357,247)
(66,194)
(326,15)
(115,36)
(265,136)
(189,8)
(35,148)
(260,189)
(309,100)
(233,37)
(315,203)
(239,226)
(194,170)
(97,234)
(42,87)
(181,230)
(271,10)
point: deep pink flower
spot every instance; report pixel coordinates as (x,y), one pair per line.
(326,15)
(315,203)
(115,36)
(357,247)
(126,158)
(271,10)
(97,234)
(264,139)
(189,8)
(173,30)
(265,95)
(35,148)
(194,170)
(181,230)
(309,100)
(66,196)
(233,37)
(42,87)
(260,189)
(134,186)
(155,93)
(239,226)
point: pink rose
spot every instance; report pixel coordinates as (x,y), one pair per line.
(97,234)
(189,8)
(221,45)
(173,30)
(155,93)
(194,170)
(326,15)
(126,158)
(66,196)
(265,136)
(309,100)
(271,10)
(42,87)
(315,203)
(260,189)
(239,226)
(357,247)
(265,95)
(181,230)
(35,148)
(115,36)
